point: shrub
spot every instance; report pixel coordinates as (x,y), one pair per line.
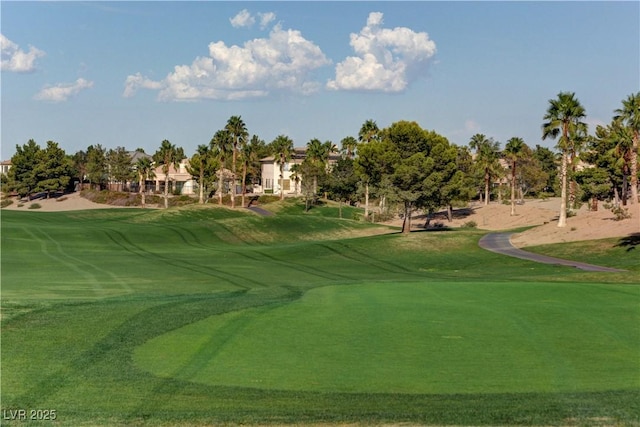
(470,224)
(620,213)
(267,198)
(35,206)
(5,202)
(61,199)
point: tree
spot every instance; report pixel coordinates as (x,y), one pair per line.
(513,150)
(22,175)
(249,158)
(343,181)
(97,169)
(630,115)
(221,145)
(531,176)
(549,166)
(144,168)
(316,154)
(368,133)
(202,168)
(349,146)
(419,163)
(282,149)
(563,117)
(486,159)
(594,184)
(238,133)
(79,162)
(370,166)
(53,170)
(168,155)
(119,165)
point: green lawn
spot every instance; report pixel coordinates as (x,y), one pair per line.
(195,316)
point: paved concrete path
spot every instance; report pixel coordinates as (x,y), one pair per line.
(501,243)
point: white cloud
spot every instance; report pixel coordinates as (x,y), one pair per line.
(242,19)
(386,60)
(63,91)
(266,19)
(283,61)
(16,60)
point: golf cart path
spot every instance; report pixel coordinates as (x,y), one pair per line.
(501,243)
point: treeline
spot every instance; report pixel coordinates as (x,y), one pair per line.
(401,165)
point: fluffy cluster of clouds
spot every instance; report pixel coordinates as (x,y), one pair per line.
(282,61)
(385,60)
(17,60)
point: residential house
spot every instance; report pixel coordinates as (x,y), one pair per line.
(5,165)
(180,180)
(272,183)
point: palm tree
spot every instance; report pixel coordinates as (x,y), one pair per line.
(197,166)
(630,115)
(238,133)
(221,146)
(315,154)
(486,159)
(368,132)
(349,145)
(282,148)
(168,154)
(578,137)
(249,157)
(144,167)
(562,118)
(513,150)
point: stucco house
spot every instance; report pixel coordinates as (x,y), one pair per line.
(179,179)
(272,183)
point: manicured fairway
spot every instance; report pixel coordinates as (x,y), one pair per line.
(415,338)
(201,316)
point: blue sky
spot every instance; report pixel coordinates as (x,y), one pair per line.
(134,73)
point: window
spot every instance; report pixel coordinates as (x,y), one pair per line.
(268,183)
(286,184)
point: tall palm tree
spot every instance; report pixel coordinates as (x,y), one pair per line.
(221,146)
(349,145)
(579,137)
(563,117)
(486,159)
(368,132)
(238,132)
(282,148)
(513,151)
(144,168)
(315,155)
(166,156)
(630,115)
(197,166)
(248,158)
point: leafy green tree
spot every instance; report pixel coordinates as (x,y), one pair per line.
(282,149)
(563,119)
(53,169)
(168,155)
(370,166)
(144,167)
(420,163)
(513,152)
(486,160)
(249,157)
(549,165)
(221,146)
(202,167)
(97,169)
(343,181)
(22,176)
(531,177)
(119,165)
(254,168)
(238,132)
(630,115)
(595,185)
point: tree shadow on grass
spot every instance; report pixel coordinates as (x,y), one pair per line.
(631,241)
